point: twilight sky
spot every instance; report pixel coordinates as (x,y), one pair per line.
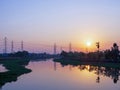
(47,22)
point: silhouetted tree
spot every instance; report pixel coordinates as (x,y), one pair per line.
(64,54)
(21,54)
(115,52)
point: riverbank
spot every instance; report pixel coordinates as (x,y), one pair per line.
(15,67)
(77,62)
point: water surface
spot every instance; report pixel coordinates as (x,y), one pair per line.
(2,68)
(49,75)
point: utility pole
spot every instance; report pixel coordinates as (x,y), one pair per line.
(70,47)
(12,47)
(5,44)
(55,47)
(61,49)
(22,46)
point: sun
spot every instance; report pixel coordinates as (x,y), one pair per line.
(88,43)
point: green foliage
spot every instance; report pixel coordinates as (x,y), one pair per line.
(15,69)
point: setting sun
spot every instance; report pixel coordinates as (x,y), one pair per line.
(88,43)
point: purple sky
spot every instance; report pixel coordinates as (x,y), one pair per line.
(47,22)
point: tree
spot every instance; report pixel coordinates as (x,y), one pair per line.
(115,51)
(21,54)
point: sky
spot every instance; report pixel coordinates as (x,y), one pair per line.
(45,22)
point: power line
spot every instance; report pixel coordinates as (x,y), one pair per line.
(34,46)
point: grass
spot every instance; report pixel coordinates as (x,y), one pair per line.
(16,67)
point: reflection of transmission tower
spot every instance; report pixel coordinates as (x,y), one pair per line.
(5,43)
(70,47)
(55,47)
(12,47)
(21,45)
(55,68)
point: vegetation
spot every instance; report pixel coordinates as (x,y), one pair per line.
(15,69)
(112,55)
(26,55)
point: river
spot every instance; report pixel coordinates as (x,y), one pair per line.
(49,75)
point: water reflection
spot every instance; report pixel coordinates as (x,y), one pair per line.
(49,75)
(2,68)
(55,66)
(110,72)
